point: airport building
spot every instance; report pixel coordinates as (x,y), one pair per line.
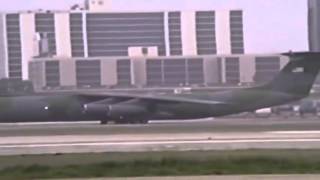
(97,31)
(92,46)
(173,71)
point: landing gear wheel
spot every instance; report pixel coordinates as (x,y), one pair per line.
(103,122)
(122,122)
(139,121)
(144,121)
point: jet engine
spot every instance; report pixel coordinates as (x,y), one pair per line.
(96,110)
(124,111)
(115,111)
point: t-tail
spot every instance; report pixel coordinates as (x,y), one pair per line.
(298,76)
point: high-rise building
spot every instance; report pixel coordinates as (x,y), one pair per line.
(97,32)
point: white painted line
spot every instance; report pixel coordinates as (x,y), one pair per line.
(98,122)
(294,132)
(182,121)
(49,123)
(159,143)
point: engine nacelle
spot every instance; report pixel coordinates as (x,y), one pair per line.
(116,111)
(96,110)
(125,111)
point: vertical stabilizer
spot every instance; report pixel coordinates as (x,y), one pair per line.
(298,76)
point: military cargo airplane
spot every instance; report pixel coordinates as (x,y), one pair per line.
(294,82)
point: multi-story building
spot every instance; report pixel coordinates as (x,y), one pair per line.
(98,33)
(170,71)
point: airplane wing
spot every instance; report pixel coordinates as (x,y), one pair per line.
(151,98)
(126,106)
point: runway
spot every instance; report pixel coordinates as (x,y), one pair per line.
(164,127)
(216,134)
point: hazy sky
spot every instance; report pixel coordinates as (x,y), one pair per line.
(270,25)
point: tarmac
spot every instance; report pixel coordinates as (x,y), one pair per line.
(207,134)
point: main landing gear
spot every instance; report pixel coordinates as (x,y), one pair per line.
(104,122)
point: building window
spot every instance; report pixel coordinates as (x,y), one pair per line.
(236,30)
(124,72)
(155,75)
(232,66)
(206,33)
(266,69)
(14,46)
(88,73)
(175,39)
(145,51)
(175,72)
(195,72)
(52,74)
(111,34)
(76,34)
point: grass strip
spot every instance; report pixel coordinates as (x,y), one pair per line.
(167,164)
